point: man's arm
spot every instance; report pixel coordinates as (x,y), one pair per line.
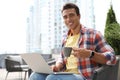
(103,52)
(84,53)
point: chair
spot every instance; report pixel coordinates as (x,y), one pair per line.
(15,64)
(107,72)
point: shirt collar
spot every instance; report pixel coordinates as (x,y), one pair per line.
(82,30)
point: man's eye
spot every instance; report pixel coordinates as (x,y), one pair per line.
(71,15)
(65,17)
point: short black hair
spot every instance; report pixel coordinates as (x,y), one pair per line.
(69,6)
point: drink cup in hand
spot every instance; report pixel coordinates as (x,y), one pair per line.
(67,51)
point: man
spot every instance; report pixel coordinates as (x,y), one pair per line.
(89,49)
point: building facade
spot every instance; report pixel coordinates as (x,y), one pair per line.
(46,27)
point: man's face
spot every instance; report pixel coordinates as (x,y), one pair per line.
(71,19)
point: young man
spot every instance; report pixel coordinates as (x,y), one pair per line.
(89,49)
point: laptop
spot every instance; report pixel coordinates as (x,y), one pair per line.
(38,64)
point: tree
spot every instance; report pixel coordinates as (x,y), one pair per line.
(111,18)
(112,31)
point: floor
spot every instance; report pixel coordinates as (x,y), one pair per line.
(12,75)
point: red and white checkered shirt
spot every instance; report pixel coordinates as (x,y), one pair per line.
(92,40)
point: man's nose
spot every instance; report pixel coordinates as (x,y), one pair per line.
(68,18)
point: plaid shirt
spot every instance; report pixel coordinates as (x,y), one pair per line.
(92,40)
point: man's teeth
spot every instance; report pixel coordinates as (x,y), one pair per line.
(70,23)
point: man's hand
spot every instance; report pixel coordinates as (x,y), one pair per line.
(81,52)
(54,68)
(57,67)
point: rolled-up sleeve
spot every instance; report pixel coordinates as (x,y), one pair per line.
(111,59)
(60,58)
(104,48)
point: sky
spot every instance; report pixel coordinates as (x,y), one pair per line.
(13,15)
(101,9)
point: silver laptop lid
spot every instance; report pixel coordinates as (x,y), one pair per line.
(36,62)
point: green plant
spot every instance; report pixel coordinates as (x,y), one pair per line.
(112,35)
(111,18)
(112,31)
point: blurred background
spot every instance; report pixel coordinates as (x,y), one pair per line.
(37,25)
